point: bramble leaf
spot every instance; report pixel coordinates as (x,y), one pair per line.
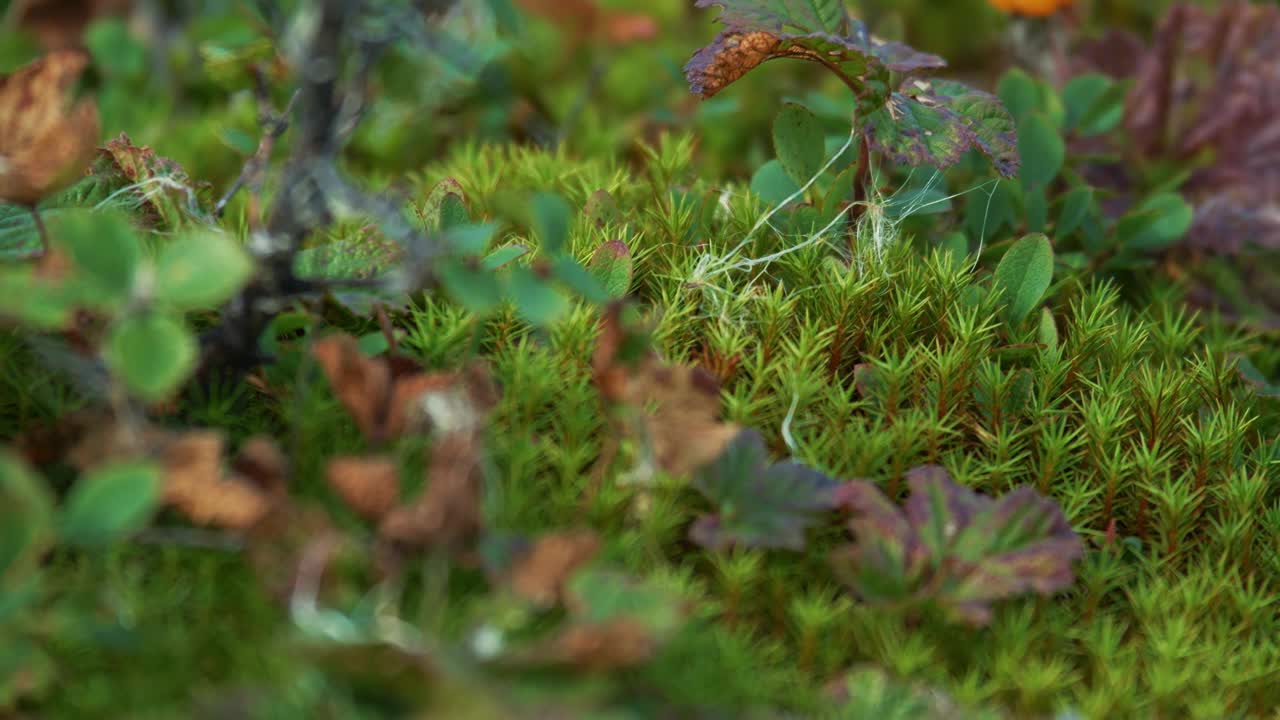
(817,30)
(954,547)
(760,505)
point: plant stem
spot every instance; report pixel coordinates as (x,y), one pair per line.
(41,230)
(860,181)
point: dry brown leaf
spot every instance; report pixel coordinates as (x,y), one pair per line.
(681,404)
(195,484)
(447,513)
(541,573)
(612,645)
(59,24)
(369,485)
(732,55)
(381,394)
(168,194)
(584,20)
(261,463)
(46,137)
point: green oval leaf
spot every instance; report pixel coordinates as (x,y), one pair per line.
(772,183)
(613,266)
(1156,223)
(799,142)
(1019,92)
(551,216)
(110,503)
(1023,275)
(536,299)
(104,249)
(201,270)
(1042,150)
(152,353)
(25,508)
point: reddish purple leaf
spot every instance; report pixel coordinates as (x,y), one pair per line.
(760,505)
(954,547)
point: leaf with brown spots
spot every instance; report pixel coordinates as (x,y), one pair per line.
(47,137)
(368,485)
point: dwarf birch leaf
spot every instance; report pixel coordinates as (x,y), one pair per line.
(200,270)
(152,353)
(110,503)
(25,509)
(772,183)
(1023,276)
(551,216)
(760,505)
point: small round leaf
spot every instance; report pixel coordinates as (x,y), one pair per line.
(200,270)
(152,353)
(110,503)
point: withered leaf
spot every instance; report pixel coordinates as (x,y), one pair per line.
(680,405)
(369,485)
(379,396)
(47,137)
(447,512)
(540,574)
(911,121)
(197,486)
(760,30)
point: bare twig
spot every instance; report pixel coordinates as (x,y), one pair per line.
(273,124)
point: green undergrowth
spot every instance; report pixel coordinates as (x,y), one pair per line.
(1130,414)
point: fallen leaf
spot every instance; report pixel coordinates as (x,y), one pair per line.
(612,645)
(447,512)
(680,405)
(47,137)
(261,463)
(369,485)
(197,486)
(541,573)
(380,395)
